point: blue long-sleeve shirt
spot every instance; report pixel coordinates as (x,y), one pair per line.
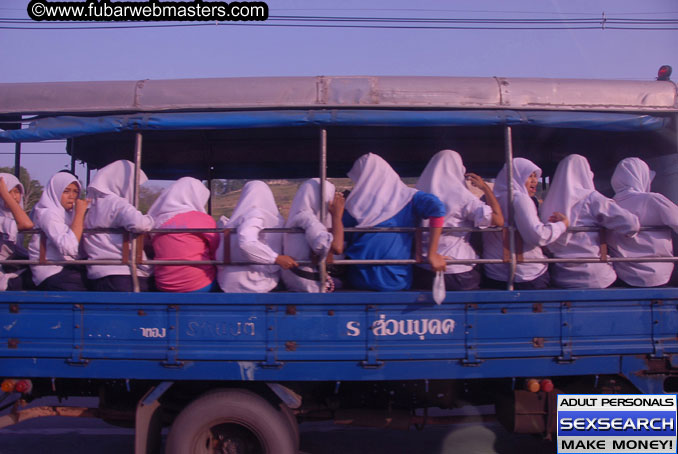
(388,246)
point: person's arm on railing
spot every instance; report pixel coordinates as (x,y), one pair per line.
(336,209)
(436,260)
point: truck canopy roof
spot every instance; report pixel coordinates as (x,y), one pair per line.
(337,92)
(202,127)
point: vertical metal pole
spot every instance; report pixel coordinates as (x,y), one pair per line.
(17,160)
(323,176)
(508,144)
(209,185)
(137,177)
(71,147)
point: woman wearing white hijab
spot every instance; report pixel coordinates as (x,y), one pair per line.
(60,214)
(445,176)
(256,210)
(631,183)
(533,233)
(572,192)
(13,219)
(111,206)
(182,206)
(380,199)
(316,241)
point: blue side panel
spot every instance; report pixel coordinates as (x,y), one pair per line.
(339,336)
(70,126)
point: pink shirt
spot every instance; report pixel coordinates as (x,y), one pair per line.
(186,246)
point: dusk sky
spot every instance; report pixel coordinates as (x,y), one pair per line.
(29,54)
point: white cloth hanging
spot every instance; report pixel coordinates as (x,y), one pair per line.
(572,192)
(255,211)
(631,182)
(533,232)
(445,177)
(378,192)
(111,193)
(316,240)
(55,221)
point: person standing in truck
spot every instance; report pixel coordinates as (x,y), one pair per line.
(316,242)
(182,206)
(380,199)
(111,193)
(445,176)
(256,210)
(572,192)
(13,219)
(631,182)
(533,234)
(60,214)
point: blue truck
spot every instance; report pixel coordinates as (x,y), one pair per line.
(237,372)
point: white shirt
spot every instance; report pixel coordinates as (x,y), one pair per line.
(114,212)
(51,217)
(534,233)
(315,240)
(445,177)
(256,210)
(573,193)
(631,181)
(596,210)
(111,192)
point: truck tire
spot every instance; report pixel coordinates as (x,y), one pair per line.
(230,421)
(293,424)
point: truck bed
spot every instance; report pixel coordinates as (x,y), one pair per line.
(346,335)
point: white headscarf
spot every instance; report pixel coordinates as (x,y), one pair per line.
(445,177)
(572,183)
(522,169)
(631,176)
(256,200)
(116,178)
(186,194)
(378,193)
(306,202)
(50,201)
(11,182)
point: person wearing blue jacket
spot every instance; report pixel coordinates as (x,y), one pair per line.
(380,199)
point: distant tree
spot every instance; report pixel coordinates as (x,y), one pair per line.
(147,195)
(221,187)
(32,188)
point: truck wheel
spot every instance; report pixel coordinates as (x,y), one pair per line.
(230,421)
(293,424)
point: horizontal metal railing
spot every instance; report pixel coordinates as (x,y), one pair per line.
(127,237)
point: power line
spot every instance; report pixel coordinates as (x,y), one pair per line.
(373,22)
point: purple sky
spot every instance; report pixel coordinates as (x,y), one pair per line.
(237,50)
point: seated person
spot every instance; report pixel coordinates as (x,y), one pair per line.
(256,210)
(60,214)
(631,183)
(13,219)
(572,192)
(532,232)
(111,205)
(380,199)
(316,242)
(182,206)
(445,176)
